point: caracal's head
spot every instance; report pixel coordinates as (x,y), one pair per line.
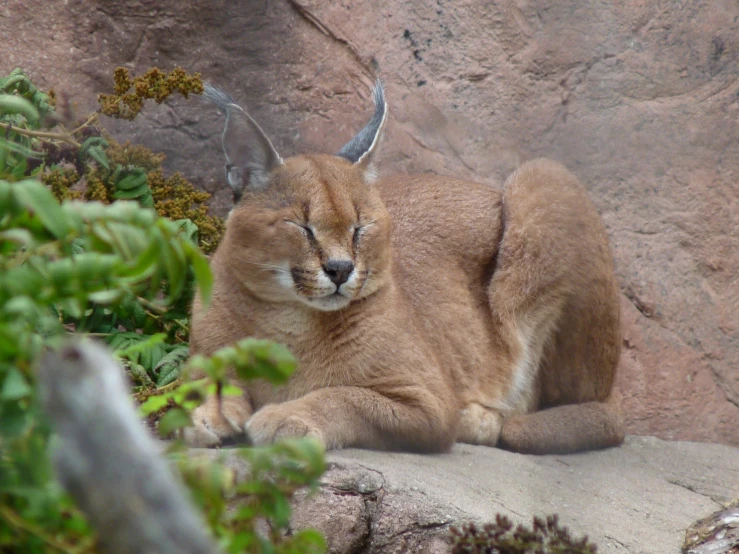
(308,229)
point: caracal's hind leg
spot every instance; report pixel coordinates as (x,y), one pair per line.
(555,308)
(565,429)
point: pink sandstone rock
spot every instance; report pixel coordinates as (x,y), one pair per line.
(640,99)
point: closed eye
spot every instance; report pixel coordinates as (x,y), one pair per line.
(307,229)
(359,231)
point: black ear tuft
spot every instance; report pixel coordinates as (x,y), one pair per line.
(250,156)
(359,150)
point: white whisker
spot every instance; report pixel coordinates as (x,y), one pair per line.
(268,267)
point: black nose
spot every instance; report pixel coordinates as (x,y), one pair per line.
(338,270)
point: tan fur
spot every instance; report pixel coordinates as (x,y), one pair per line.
(477,315)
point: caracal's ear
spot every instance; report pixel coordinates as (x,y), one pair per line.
(250,156)
(362,148)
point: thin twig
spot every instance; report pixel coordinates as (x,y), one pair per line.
(47,249)
(63,137)
(20,523)
(181,325)
(166,388)
(153,307)
(158,390)
(89,121)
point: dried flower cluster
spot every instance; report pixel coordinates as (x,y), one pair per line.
(61,181)
(546,537)
(129,93)
(174,197)
(133,154)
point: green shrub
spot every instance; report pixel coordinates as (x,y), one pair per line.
(123,274)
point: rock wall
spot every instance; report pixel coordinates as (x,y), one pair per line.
(639,98)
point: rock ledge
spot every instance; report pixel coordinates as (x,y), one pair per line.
(639,498)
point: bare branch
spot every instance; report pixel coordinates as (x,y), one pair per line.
(63,137)
(108,461)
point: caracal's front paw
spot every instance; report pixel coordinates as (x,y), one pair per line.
(278,421)
(212,426)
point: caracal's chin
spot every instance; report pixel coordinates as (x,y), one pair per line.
(330,303)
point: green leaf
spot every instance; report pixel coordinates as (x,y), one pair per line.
(150,357)
(174,419)
(129,194)
(175,263)
(134,179)
(309,541)
(6,196)
(71,307)
(121,341)
(202,271)
(266,546)
(154,403)
(18,148)
(116,173)
(231,390)
(186,228)
(9,83)
(19,170)
(281,509)
(14,420)
(21,306)
(147,200)
(15,386)
(105,296)
(147,264)
(139,315)
(36,197)
(169,367)
(139,374)
(192,393)
(10,103)
(241,542)
(137,343)
(99,155)
(3,158)
(21,236)
(92,142)
(96,321)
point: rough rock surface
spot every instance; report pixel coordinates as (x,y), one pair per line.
(639,98)
(718,532)
(636,499)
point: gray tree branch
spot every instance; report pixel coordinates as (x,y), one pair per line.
(108,461)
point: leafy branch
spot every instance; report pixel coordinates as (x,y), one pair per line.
(118,271)
(125,103)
